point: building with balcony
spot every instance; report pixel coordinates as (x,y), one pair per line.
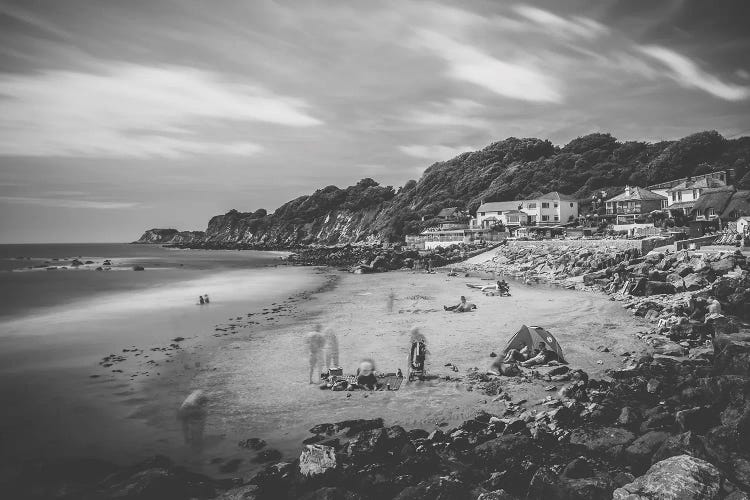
(635,203)
(550,209)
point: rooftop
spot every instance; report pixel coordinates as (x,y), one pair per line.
(637,193)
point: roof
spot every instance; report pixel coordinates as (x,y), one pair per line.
(515,212)
(739,204)
(681,204)
(555,195)
(638,193)
(447,212)
(699,184)
(500,206)
(714,198)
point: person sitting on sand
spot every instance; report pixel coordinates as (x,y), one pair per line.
(462,306)
(516,355)
(366,378)
(542,357)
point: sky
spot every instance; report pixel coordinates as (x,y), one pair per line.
(121,115)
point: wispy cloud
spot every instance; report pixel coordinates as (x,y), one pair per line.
(509,79)
(452,113)
(577,26)
(128,110)
(67,203)
(687,73)
(437,152)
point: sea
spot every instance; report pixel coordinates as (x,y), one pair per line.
(64,328)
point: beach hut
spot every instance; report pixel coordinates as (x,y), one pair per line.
(531,336)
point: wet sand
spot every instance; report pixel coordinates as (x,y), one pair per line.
(257,383)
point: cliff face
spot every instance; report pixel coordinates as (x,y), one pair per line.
(505,170)
(170,237)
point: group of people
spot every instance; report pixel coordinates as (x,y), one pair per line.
(323,348)
(203,299)
(526,357)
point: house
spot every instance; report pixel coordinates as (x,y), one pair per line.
(448,213)
(712,203)
(743,225)
(635,203)
(724,176)
(549,209)
(682,197)
(738,206)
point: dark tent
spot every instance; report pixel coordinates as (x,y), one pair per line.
(531,336)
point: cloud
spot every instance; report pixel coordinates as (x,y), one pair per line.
(67,203)
(453,113)
(686,73)
(138,111)
(577,26)
(436,152)
(467,63)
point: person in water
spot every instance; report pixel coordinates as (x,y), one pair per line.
(205,297)
(200,299)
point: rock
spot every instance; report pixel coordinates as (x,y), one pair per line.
(331,493)
(317,459)
(601,440)
(505,449)
(436,488)
(246,492)
(741,473)
(578,468)
(653,386)
(699,419)
(629,417)
(267,455)
(694,282)
(230,466)
(659,288)
(368,444)
(669,349)
(252,444)
(415,434)
(686,443)
(732,353)
(681,478)
(147,484)
(496,495)
(638,454)
(327,429)
(546,485)
(359,425)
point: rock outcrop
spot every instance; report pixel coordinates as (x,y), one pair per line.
(170,237)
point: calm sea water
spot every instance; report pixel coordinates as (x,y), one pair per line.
(58,321)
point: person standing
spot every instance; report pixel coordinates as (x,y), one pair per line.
(315,343)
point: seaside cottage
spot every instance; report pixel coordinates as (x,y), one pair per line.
(712,203)
(738,206)
(550,209)
(633,204)
(683,196)
(722,178)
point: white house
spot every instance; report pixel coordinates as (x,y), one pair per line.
(549,209)
(743,225)
(679,192)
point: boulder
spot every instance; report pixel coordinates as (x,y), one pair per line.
(436,488)
(601,440)
(368,445)
(638,454)
(659,288)
(699,419)
(317,459)
(693,282)
(732,353)
(505,449)
(687,443)
(680,478)
(629,417)
(546,485)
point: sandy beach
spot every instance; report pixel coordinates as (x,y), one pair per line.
(257,383)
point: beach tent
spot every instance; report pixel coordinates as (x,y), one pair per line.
(531,336)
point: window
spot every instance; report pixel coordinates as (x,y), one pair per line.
(531,205)
(556,205)
(557,218)
(696,194)
(699,213)
(679,195)
(545,205)
(674,197)
(481,213)
(711,212)
(571,205)
(545,218)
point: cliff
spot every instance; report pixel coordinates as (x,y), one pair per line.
(170,237)
(505,170)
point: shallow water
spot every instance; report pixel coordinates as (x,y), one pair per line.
(61,398)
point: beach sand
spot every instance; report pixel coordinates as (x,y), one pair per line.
(257,380)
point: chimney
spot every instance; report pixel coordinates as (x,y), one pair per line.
(627,190)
